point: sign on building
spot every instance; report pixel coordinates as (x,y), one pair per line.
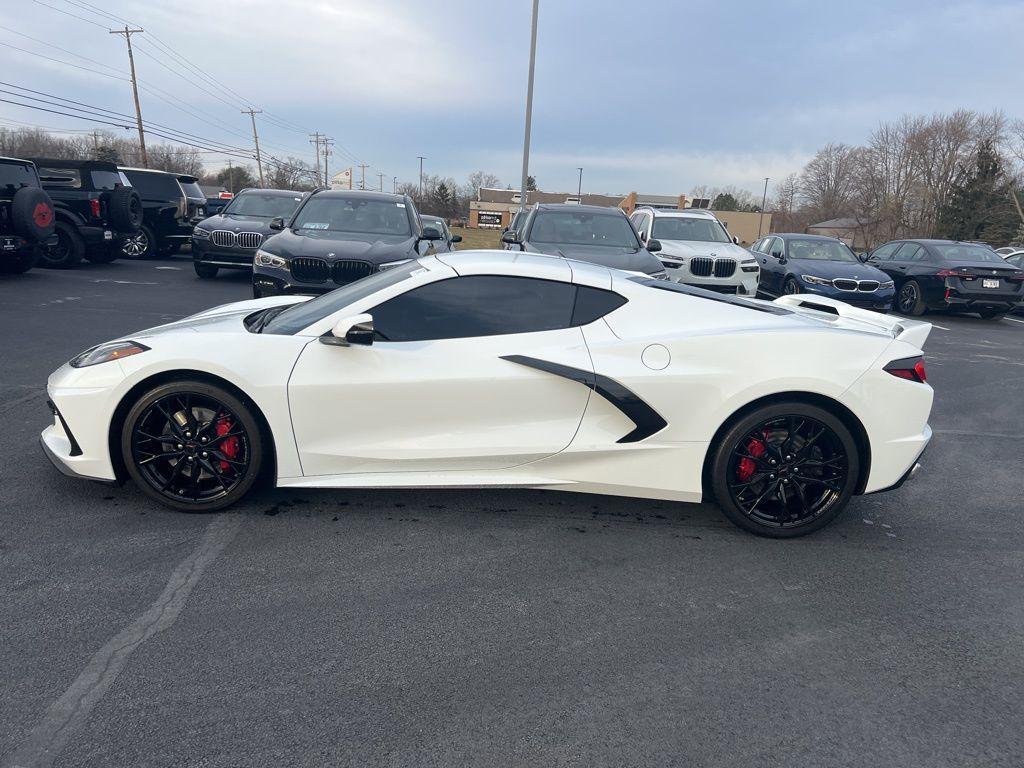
(342,179)
(490,219)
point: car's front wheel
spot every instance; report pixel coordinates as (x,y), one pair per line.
(785,470)
(192,446)
(909,300)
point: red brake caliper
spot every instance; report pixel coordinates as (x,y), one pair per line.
(746,467)
(230,446)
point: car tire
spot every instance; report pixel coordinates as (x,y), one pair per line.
(141,245)
(125,209)
(992,314)
(909,301)
(68,251)
(790,287)
(32,214)
(202,475)
(205,271)
(770,456)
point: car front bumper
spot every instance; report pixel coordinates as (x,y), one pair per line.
(740,283)
(879,301)
(203,252)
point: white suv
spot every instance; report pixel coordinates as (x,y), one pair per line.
(697,249)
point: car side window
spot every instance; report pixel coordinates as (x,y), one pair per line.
(476,305)
(1017,261)
(910,252)
(885,252)
(757,246)
(70,178)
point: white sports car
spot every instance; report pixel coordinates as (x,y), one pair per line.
(488,369)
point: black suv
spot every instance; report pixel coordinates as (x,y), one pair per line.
(229,240)
(26,216)
(96,209)
(195,196)
(586,233)
(165,222)
(335,238)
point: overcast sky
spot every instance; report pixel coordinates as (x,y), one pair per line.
(652,96)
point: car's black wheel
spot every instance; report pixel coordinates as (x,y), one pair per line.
(909,301)
(992,314)
(140,245)
(192,446)
(785,470)
(68,250)
(205,271)
(791,286)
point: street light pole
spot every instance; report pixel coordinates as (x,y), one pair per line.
(422,158)
(764,200)
(529,107)
(579,189)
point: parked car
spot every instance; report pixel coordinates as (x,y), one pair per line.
(517,221)
(195,196)
(447,241)
(1009,253)
(697,249)
(27,218)
(497,369)
(165,220)
(1007,250)
(230,239)
(824,266)
(95,206)
(216,200)
(585,233)
(949,275)
(336,237)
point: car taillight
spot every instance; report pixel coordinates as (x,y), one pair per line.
(1018,278)
(94,208)
(954,273)
(909,368)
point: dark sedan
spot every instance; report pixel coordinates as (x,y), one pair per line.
(586,233)
(229,240)
(335,238)
(447,241)
(949,275)
(794,263)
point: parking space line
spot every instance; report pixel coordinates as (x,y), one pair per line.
(69,713)
(1013,320)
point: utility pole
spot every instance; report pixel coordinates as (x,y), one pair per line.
(529,107)
(362,170)
(381,177)
(315,139)
(579,189)
(395,182)
(328,143)
(231,176)
(422,158)
(764,200)
(256,140)
(135,88)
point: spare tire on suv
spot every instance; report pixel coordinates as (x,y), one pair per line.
(32,214)
(125,209)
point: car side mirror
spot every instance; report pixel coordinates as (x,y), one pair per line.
(276,223)
(510,238)
(735,240)
(430,233)
(456,238)
(864,256)
(349,331)
(653,245)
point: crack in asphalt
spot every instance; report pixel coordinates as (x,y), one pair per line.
(70,712)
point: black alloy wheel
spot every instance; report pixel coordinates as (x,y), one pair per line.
(785,470)
(909,299)
(791,286)
(192,446)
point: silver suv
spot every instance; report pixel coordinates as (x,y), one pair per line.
(696,249)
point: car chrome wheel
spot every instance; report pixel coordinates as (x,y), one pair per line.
(788,471)
(135,245)
(190,447)
(908,298)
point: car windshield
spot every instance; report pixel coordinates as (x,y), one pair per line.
(299,316)
(263,206)
(14,175)
(108,179)
(350,214)
(694,229)
(966,252)
(582,228)
(821,250)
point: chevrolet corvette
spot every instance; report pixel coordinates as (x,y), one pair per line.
(505,369)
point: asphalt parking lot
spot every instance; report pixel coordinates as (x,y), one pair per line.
(501,627)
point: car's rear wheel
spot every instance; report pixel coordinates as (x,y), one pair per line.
(909,300)
(68,251)
(139,245)
(192,446)
(785,470)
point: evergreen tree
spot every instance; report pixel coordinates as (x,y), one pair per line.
(979,206)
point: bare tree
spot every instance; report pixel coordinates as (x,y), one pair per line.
(828,181)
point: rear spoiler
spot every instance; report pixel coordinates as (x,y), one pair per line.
(911,331)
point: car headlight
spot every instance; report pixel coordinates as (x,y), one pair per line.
(888,284)
(264,259)
(200,234)
(749,265)
(815,280)
(391,264)
(104,353)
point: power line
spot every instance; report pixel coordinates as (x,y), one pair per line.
(60,61)
(63,50)
(66,13)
